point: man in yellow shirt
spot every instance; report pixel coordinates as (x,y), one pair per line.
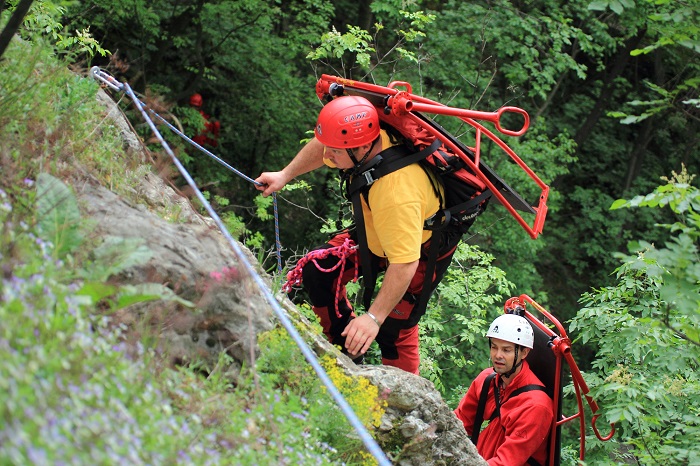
(348,137)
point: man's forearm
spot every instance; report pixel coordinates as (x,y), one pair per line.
(396,281)
(362,331)
(309,158)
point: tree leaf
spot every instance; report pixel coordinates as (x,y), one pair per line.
(132,294)
(57,214)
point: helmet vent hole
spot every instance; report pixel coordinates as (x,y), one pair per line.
(345,131)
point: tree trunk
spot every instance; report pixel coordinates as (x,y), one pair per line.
(13,24)
(636,159)
(620,62)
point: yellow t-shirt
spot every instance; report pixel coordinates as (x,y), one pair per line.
(400,203)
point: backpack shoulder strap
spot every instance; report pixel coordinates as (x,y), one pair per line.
(479,418)
(395,160)
(528,388)
(392,159)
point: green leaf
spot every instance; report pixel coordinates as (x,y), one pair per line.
(116,254)
(57,214)
(598,5)
(633,119)
(96,291)
(617,7)
(618,204)
(132,294)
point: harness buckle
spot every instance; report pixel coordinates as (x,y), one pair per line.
(369,179)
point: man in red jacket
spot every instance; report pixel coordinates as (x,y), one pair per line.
(519,410)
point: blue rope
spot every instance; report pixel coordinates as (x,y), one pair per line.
(203,149)
(366,438)
(278,244)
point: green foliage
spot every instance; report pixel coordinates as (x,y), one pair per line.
(334,45)
(358,52)
(282,365)
(617,6)
(646,329)
(670,25)
(665,101)
(43,19)
(677,263)
(66,379)
(57,211)
(458,316)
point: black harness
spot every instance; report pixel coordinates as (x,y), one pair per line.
(388,161)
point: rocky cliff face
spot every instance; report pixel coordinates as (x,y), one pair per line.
(192,256)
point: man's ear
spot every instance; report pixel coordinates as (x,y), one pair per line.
(524,351)
(364,148)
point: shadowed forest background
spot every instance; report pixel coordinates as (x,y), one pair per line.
(607,123)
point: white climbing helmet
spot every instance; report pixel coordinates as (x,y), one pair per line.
(512,328)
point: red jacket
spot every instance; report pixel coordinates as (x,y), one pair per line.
(210,133)
(523,427)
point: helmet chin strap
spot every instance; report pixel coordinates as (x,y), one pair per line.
(358,164)
(515,364)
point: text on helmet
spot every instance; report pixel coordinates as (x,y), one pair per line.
(356,116)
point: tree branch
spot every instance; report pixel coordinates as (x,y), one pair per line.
(13,24)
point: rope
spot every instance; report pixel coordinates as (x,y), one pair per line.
(278,244)
(345,250)
(357,425)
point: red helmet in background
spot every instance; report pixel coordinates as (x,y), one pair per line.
(196,100)
(347,122)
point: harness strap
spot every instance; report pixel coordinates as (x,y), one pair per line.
(433,254)
(392,159)
(528,388)
(479,418)
(444,217)
(368,272)
(523,389)
(380,166)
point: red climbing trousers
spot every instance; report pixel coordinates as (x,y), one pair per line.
(324,276)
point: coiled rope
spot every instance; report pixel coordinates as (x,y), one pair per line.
(342,252)
(357,425)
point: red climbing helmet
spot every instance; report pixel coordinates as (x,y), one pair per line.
(196,100)
(347,122)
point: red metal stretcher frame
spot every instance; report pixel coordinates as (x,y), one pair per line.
(403,103)
(561,346)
